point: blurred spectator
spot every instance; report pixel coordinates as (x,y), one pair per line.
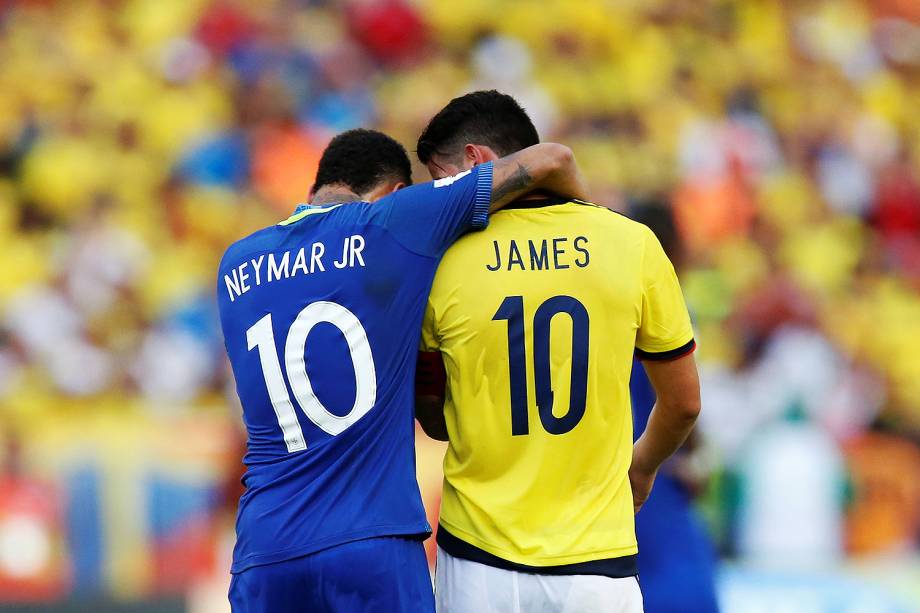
(886,479)
(792,496)
(31,533)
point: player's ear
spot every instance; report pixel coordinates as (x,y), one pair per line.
(382,189)
(473,154)
(479,154)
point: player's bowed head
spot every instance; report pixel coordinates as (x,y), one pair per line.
(360,165)
(474,128)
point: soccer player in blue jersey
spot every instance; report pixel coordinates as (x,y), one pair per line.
(321,317)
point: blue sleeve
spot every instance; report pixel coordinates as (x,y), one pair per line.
(427,218)
(643,398)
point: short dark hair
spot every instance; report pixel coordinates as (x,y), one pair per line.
(657,214)
(484,118)
(362,159)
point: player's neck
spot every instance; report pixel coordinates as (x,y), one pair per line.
(537,194)
(333,194)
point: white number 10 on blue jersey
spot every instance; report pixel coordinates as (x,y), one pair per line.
(262,335)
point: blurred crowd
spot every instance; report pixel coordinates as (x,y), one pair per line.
(780,141)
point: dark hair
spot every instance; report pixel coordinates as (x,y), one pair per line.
(657,214)
(484,118)
(361,159)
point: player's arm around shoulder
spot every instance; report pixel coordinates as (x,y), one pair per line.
(546,166)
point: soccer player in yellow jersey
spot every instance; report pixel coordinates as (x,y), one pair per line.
(537,320)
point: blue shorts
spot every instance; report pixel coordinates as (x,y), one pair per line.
(677,562)
(385,574)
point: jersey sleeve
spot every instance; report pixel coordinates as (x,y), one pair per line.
(427,218)
(430,340)
(664,332)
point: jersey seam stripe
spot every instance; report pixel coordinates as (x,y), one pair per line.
(670,354)
(622,551)
(619,566)
(539,203)
(303,214)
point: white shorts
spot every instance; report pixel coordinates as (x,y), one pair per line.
(462,586)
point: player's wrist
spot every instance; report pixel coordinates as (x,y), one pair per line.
(641,463)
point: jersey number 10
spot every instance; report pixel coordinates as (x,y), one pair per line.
(512,310)
(262,335)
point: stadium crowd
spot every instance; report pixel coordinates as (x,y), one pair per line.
(779,140)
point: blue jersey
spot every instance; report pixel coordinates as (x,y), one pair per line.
(321,316)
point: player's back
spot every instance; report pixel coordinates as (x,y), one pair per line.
(323,304)
(538,320)
(320,316)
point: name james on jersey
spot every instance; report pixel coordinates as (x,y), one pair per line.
(547,254)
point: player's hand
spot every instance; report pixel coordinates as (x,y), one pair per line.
(641,476)
(641,481)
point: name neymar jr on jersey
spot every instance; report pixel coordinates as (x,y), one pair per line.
(268,267)
(546,254)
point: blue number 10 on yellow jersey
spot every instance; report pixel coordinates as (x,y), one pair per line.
(512,309)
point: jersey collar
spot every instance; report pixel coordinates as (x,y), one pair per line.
(537,203)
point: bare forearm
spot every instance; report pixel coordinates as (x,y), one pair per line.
(668,428)
(547,166)
(567,181)
(677,386)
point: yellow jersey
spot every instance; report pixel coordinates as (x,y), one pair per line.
(538,319)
